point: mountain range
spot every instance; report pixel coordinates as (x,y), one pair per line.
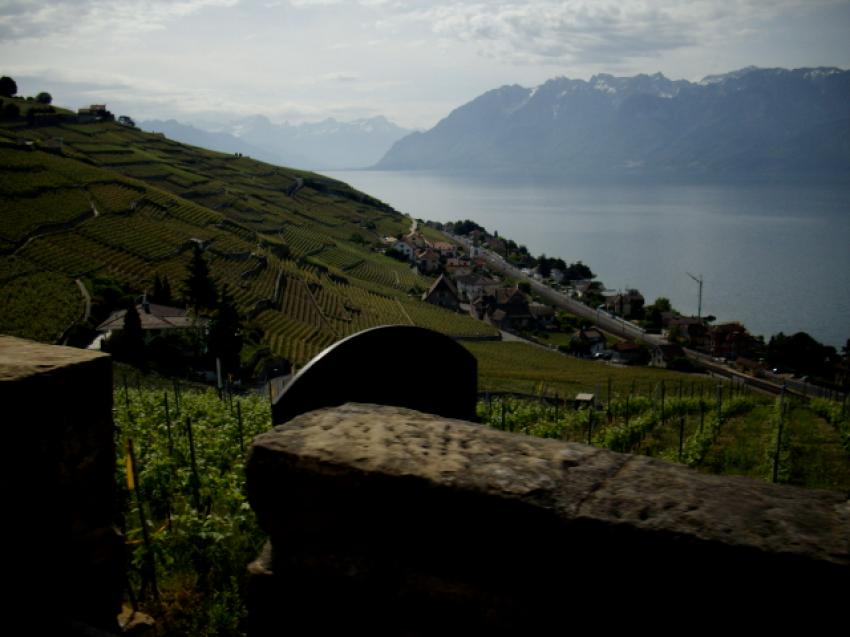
(749,122)
(324,145)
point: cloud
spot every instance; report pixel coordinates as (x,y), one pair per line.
(22,19)
(587,31)
(340,77)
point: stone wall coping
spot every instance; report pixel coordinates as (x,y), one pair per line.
(21,358)
(567,482)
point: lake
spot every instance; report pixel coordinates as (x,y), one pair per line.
(775,257)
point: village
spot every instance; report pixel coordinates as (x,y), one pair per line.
(467,283)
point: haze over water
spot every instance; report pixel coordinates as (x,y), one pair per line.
(774,256)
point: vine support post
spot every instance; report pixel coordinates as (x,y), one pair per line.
(196,482)
(126,393)
(779,435)
(239,424)
(168,425)
(133,483)
(719,403)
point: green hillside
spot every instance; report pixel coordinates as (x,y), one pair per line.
(83,203)
(296,249)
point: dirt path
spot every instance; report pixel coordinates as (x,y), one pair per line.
(86,297)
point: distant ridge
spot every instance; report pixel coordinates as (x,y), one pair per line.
(324,145)
(757,122)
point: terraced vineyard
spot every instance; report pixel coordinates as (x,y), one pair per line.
(88,200)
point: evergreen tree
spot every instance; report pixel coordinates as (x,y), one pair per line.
(199,289)
(132,343)
(224,339)
(161,291)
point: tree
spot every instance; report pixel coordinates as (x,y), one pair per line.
(8,86)
(44,98)
(224,339)
(652,313)
(129,344)
(199,289)
(161,291)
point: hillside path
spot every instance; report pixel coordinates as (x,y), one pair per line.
(86,298)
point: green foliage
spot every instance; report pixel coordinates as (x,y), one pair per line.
(198,288)
(652,313)
(803,354)
(224,338)
(200,553)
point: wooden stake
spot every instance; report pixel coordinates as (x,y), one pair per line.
(196,482)
(168,425)
(149,561)
(239,421)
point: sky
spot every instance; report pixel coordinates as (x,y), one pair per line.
(411,61)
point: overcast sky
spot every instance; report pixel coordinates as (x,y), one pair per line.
(412,61)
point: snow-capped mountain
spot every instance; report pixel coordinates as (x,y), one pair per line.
(321,145)
(748,122)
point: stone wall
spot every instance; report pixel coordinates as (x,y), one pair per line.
(62,558)
(383,520)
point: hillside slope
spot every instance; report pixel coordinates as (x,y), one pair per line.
(296,249)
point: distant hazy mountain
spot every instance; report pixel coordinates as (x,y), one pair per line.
(748,122)
(322,145)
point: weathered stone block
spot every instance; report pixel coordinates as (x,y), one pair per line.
(57,482)
(404,522)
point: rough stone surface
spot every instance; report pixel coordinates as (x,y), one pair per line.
(405,522)
(57,482)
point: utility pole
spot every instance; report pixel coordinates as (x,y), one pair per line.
(698,280)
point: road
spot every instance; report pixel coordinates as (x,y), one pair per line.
(615,325)
(612,324)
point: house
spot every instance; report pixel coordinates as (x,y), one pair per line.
(664,354)
(690,330)
(730,340)
(445,249)
(94,113)
(155,319)
(589,342)
(506,308)
(404,247)
(556,275)
(628,304)
(124,120)
(583,286)
(627,353)
(458,268)
(474,286)
(443,293)
(428,261)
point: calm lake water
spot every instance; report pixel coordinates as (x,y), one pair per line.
(775,257)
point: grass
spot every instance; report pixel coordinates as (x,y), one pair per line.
(519,367)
